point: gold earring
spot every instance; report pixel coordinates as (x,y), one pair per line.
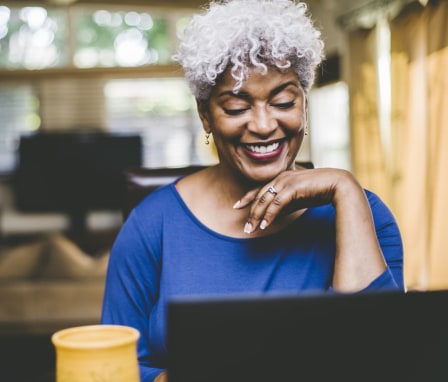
(207,136)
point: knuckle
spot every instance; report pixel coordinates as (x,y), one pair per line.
(273,209)
(262,199)
(277,201)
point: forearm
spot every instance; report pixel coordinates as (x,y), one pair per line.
(359,259)
(162,377)
(152,374)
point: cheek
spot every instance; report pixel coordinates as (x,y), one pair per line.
(295,125)
(226,130)
(294,120)
(298,139)
(294,146)
(224,138)
(297,133)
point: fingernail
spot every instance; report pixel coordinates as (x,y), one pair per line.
(247,228)
(236,205)
(263,224)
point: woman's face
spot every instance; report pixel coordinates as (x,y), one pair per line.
(258,131)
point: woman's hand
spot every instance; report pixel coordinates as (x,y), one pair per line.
(359,259)
(162,377)
(292,191)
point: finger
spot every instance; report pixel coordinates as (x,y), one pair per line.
(264,209)
(273,210)
(247,199)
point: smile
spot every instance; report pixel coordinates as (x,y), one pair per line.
(263,149)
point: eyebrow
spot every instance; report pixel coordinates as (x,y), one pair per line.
(273,92)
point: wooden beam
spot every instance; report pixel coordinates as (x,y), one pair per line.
(182,4)
(153,71)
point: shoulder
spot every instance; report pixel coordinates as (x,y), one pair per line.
(378,206)
(385,222)
(162,199)
(146,217)
(381,213)
(374,199)
(141,234)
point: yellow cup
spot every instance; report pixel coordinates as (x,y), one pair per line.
(96,353)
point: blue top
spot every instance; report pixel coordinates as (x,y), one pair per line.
(163,250)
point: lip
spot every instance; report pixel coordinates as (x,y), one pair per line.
(264,156)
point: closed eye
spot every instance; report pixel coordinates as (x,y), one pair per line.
(235,111)
(284,105)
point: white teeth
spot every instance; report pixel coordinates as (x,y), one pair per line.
(263,149)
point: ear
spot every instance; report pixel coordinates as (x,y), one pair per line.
(204,115)
(307,109)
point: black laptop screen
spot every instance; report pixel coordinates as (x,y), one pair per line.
(361,337)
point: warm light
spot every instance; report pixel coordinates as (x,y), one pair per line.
(62,2)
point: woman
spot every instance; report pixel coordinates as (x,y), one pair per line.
(255,222)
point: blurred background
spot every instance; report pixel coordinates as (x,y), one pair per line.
(103,69)
(88,87)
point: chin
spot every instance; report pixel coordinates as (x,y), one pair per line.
(265,173)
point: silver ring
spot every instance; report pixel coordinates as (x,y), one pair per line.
(272,190)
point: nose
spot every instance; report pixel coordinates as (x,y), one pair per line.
(262,122)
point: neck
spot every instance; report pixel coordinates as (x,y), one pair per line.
(231,185)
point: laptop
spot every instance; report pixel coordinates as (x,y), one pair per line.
(388,336)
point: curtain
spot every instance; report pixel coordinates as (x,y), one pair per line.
(419,59)
(411,178)
(368,161)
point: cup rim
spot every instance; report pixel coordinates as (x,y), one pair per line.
(61,338)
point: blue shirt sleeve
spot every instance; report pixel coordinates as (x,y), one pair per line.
(132,288)
(390,240)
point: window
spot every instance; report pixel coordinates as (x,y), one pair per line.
(37,37)
(37,42)
(329,126)
(164,112)
(114,38)
(32,37)
(19,111)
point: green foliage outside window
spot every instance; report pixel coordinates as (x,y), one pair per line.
(106,38)
(32,38)
(38,38)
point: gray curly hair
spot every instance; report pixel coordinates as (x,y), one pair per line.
(242,33)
